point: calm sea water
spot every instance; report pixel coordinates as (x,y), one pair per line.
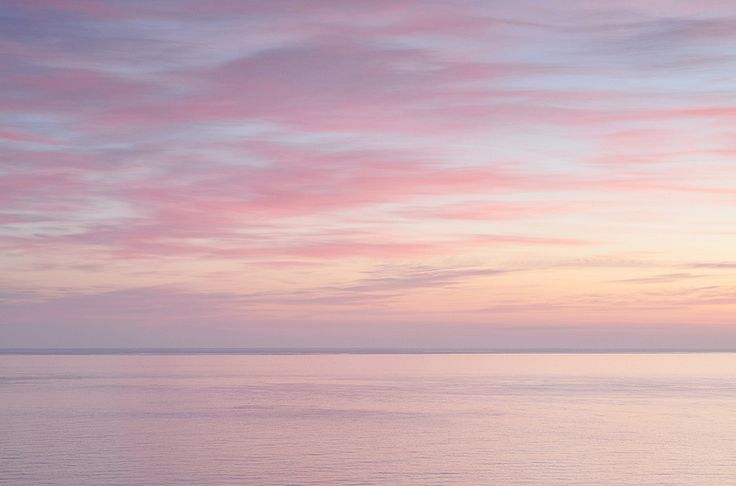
(521,419)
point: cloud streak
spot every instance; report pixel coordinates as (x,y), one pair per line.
(248,162)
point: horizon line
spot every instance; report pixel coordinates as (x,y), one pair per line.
(285,351)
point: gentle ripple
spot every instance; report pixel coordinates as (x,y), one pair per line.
(570,419)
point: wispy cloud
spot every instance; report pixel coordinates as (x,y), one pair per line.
(264,158)
(660,279)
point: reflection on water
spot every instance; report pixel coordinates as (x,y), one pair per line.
(629,419)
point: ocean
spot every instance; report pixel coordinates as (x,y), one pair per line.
(187,418)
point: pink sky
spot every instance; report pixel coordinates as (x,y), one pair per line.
(368,174)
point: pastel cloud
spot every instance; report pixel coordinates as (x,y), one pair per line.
(244,162)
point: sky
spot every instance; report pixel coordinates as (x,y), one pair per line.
(332,173)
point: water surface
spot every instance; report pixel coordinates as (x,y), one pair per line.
(361,419)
